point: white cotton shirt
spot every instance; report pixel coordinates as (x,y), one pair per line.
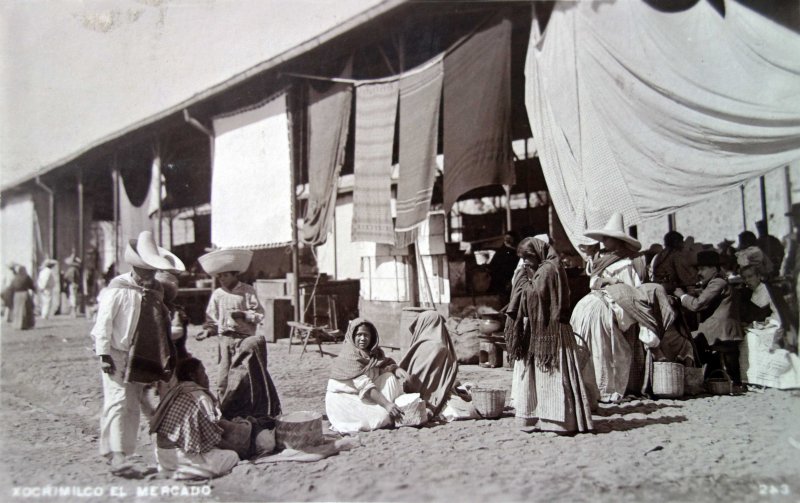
(117,316)
(761,298)
(357,386)
(622,270)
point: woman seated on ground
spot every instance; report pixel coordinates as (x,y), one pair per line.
(189,428)
(364,383)
(431,363)
(762,359)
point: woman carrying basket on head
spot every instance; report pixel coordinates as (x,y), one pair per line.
(547,386)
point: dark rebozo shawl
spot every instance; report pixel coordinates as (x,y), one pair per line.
(353,362)
(544,299)
(151,356)
(610,257)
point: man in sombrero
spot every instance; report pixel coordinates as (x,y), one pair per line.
(47,284)
(132,340)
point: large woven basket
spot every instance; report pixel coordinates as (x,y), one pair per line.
(489,402)
(722,385)
(296,430)
(667,379)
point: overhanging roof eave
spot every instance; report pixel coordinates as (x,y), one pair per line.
(298,50)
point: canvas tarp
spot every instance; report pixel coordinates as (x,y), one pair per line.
(645,112)
(251,185)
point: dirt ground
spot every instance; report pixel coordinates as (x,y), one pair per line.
(709,448)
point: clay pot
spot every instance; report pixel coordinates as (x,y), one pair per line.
(490,326)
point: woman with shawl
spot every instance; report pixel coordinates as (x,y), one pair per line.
(431,361)
(364,383)
(547,385)
(768,354)
(608,332)
(22,304)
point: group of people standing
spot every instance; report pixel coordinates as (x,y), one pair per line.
(142,353)
(699,311)
(22,294)
(566,360)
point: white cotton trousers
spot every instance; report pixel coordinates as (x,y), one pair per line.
(46,302)
(119,423)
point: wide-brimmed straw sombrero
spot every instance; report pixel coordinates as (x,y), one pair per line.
(143,253)
(615,228)
(233,260)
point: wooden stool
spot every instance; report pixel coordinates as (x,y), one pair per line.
(304,331)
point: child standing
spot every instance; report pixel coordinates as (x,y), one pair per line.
(244,385)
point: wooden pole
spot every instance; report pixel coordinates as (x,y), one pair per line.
(157,170)
(764,214)
(81,218)
(115,179)
(300,109)
(744,210)
(788,177)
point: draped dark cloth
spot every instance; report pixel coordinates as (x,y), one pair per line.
(542,297)
(352,361)
(250,391)
(651,306)
(477,112)
(431,360)
(420,97)
(151,356)
(328,121)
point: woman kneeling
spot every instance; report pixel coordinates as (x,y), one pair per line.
(364,383)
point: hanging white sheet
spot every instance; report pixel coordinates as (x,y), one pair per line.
(645,112)
(251,182)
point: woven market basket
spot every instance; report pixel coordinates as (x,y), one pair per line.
(719,385)
(693,380)
(667,379)
(297,430)
(489,402)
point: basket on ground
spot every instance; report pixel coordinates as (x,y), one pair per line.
(489,402)
(297,430)
(667,379)
(722,385)
(693,380)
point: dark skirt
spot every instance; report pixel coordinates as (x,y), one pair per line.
(249,390)
(22,317)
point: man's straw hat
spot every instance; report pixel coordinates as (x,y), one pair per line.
(614,229)
(145,254)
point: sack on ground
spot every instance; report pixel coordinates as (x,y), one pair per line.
(414,411)
(466,341)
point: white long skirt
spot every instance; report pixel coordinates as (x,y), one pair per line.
(593,319)
(777,369)
(348,413)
